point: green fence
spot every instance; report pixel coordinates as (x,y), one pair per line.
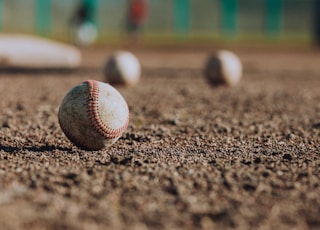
(233,19)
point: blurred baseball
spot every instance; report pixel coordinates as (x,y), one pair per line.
(122,68)
(223,67)
(93,115)
(86,34)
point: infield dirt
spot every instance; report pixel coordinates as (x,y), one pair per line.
(194,156)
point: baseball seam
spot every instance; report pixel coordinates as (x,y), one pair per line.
(94,116)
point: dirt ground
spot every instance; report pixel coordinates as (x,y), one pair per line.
(193,157)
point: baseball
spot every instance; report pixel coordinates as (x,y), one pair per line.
(223,67)
(93,115)
(122,68)
(86,34)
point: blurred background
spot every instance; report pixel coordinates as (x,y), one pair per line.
(201,22)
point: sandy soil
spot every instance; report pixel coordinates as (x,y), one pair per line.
(193,157)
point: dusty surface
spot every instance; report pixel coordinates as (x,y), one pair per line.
(193,157)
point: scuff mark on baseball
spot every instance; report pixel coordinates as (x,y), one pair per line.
(93,115)
(223,68)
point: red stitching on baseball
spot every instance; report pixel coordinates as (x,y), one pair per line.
(94,116)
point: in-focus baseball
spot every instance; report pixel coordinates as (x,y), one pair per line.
(223,67)
(93,115)
(122,68)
